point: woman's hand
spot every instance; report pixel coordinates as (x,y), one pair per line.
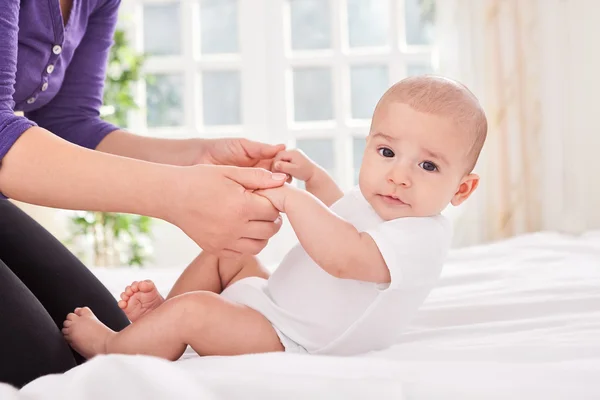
(237,152)
(216,207)
(296,164)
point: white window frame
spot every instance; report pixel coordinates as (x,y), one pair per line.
(249,62)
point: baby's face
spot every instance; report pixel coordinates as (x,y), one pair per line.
(414,163)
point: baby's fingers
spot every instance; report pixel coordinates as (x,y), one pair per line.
(283,156)
(285,167)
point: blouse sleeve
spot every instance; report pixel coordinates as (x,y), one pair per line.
(11,125)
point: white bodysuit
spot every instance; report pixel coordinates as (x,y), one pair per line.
(327,315)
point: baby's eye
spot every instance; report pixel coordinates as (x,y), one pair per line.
(428,166)
(385,152)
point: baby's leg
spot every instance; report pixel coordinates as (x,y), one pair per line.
(211,273)
(209,323)
(206,273)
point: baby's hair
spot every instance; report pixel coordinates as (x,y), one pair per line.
(444,97)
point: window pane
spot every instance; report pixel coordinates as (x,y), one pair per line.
(310,24)
(161,29)
(219,26)
(320,151)
(221,96)
(367,84)
(368,22)
(419,69)
(313,94)
(419,21)
(358,148)
(164,100)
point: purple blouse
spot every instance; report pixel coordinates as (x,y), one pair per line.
(54,73)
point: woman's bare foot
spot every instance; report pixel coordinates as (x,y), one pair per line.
(85,333)
(140,298)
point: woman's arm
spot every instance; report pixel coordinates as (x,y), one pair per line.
(213,205)
(181,152)
(44,169)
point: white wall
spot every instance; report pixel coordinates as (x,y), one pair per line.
(569,81)
(582,108)
(570,107)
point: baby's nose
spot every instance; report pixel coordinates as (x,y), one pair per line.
(400,177)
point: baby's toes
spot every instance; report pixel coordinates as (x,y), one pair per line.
(82,311)
(146,286)
(125,296)
(71,316)
(135,286)
(122,304)
(129,291)
(67,323)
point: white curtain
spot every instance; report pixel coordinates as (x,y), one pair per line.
(514,54)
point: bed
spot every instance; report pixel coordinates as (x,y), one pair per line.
(515,319)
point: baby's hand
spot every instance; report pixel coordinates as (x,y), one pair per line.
(294,163)
(277,196)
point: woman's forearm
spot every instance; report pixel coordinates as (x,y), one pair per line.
(181,152)
(46,170)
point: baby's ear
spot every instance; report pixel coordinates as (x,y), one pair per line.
(467,185)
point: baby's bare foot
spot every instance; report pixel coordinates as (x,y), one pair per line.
(85,333)
(140,298)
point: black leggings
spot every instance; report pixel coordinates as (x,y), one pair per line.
(40,283)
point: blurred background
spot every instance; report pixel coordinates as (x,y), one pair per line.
(309,72)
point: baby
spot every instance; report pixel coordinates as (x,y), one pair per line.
(365,262)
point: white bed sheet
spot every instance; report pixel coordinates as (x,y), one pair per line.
(514,319)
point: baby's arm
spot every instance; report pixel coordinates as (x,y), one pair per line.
(324,187)
(318,182)
(333,243)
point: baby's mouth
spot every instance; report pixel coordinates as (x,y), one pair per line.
(391,199)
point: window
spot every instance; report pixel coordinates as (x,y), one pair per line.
(304,72)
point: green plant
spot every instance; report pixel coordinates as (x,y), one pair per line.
(116,239)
